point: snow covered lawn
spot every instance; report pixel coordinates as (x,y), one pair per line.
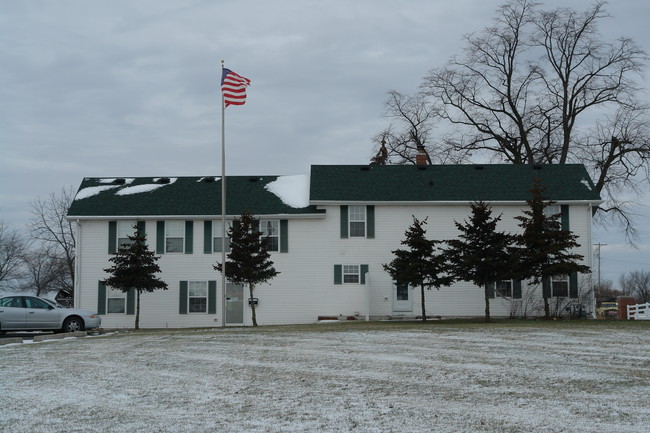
(335,378)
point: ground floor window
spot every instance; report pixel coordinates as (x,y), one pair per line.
(504,288)
(560,286)
(351,274)
(115,301)
(198,296)
(402,292)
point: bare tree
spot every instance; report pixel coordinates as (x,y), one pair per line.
(12,249)
(50,226)
(526,90)
(411,121)
(637,284)
(43,270)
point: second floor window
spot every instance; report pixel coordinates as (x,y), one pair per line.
(271,228)
(174,236)
(357,217)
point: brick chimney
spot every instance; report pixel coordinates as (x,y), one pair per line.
(421,157)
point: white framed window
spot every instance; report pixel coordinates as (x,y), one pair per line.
(351,274)
(357,221)
(124,230)
(197,297)
(560,286)
(504,288)
(174,236)
(115,301)
(551,210)
(216,236)
(271,228)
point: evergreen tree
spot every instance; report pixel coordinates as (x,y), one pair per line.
(419,265)
(134,267)
(544,248)
(481,254)
(248,260)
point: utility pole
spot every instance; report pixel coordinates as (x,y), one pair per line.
(599,245)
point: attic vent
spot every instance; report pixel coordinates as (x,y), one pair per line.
(365,167)
(208,179)
(478,167)
(537,167)
(252,179)
(422,167)
(119,181)
(430,183)
(163,180)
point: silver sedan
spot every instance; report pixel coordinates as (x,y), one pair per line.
(31,313)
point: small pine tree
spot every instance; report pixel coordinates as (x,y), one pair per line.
(481,254)
(419,265)
(248,260)
(544,249)
(134,267)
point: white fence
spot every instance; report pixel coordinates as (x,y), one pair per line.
(638,311)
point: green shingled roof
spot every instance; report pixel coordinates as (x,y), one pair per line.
(411,183)
(197,196)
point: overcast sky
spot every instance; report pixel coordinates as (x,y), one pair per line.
(131,88)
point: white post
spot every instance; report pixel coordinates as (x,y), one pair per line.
(223,209)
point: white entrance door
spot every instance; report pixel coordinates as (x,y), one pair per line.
(234,304)
(402,298)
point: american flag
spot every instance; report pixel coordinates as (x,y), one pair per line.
(233,87)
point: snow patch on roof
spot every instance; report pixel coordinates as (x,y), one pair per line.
(93,190)
(148,187)
(114,179)
(586,183)
(292,190)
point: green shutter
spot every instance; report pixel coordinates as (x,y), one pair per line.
(130,301)
(370,221)
(284,236)
(490,290)
(344,222)
(212,297)
(338,274)
(141,228)
(189,237)
(160,237)
(182,299)
(101,298)
(546,287)
(573,285)
(207,237)
(516,289)
(112,237)
(564,219)
(364,269)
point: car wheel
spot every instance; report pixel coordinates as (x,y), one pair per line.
(72,324)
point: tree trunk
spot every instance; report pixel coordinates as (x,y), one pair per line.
(252,305)
(487,304)
(547,308)
(137,310)
(424,311)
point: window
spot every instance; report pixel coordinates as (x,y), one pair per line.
(560,286)
(357,217)
(115,301)
(198,296)
(124,230)
(216,236)
(36,303)
(12,301)
(402,292)
(351,274)
(271,228)
(504,288)
(174,236)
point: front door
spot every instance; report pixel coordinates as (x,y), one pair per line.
(402,299)
(234,304)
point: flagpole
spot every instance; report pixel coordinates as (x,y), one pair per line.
(223,208)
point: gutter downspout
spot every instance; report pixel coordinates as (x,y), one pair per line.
(367,277)
(76,300)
